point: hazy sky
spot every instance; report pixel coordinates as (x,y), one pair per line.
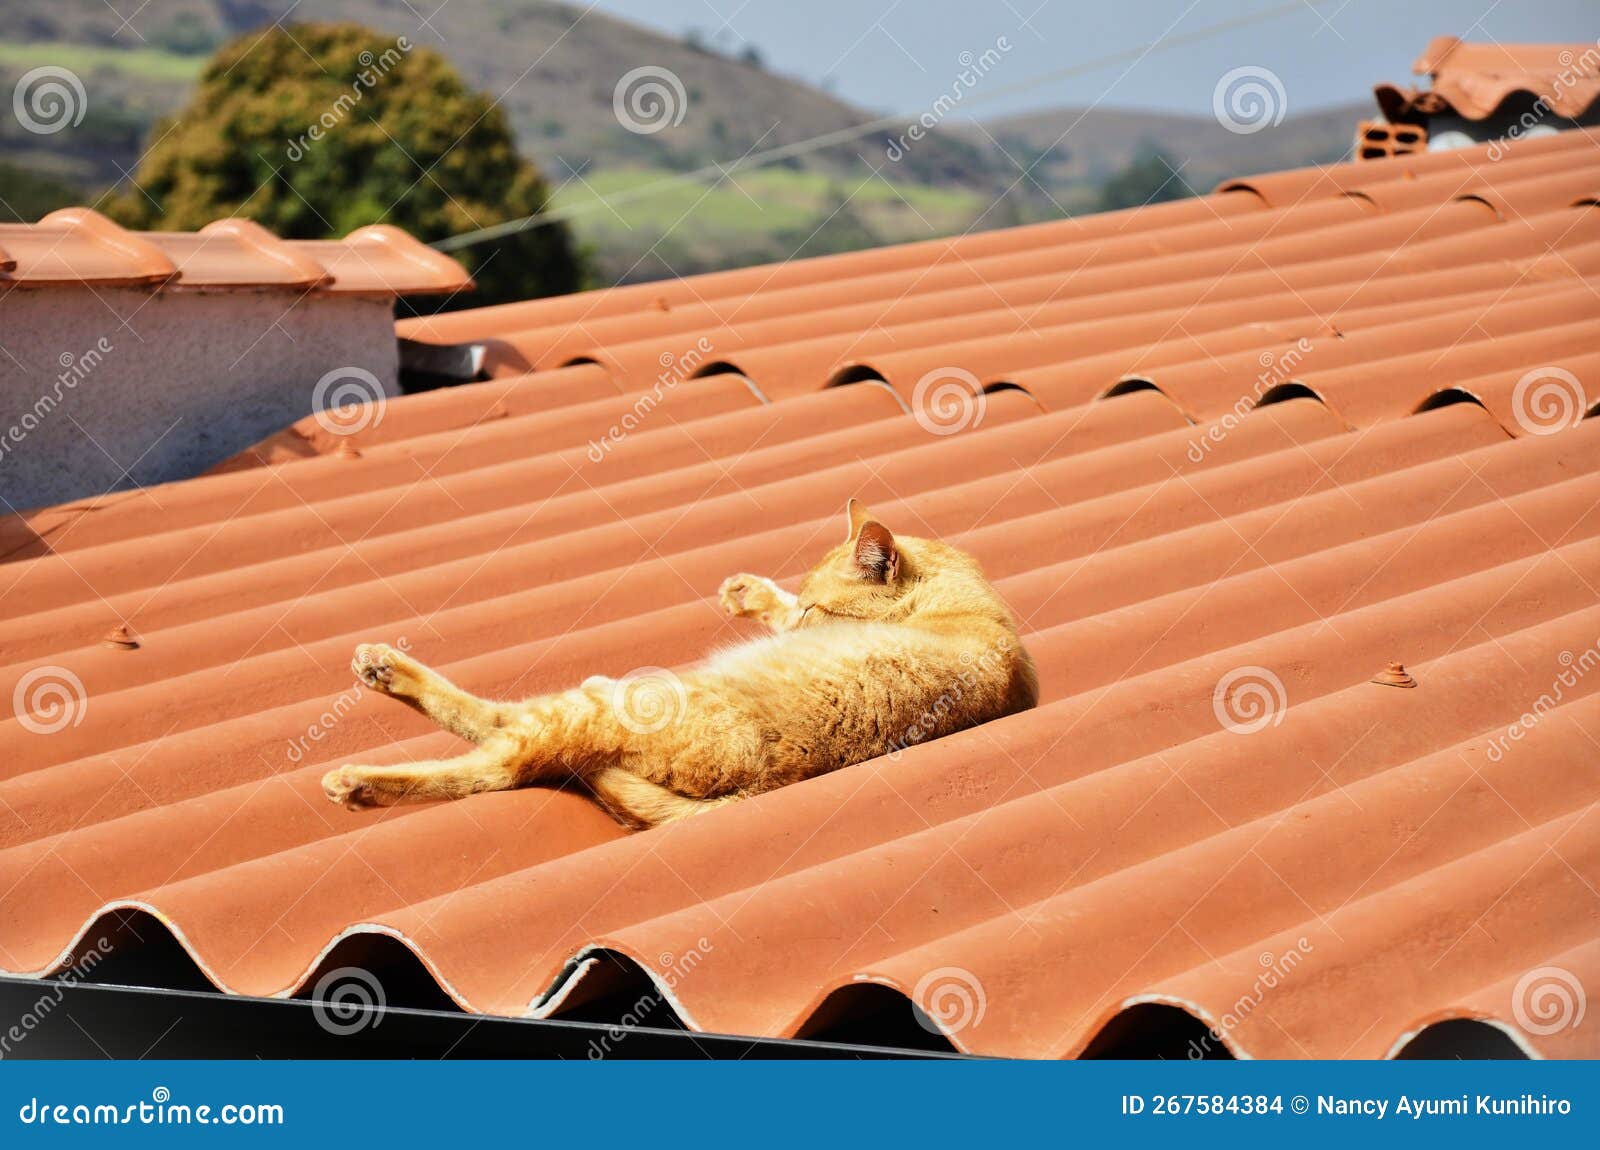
(898,55)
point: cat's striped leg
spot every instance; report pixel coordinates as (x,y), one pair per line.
(757,597)
(490,767)
(542,739)
(397,674)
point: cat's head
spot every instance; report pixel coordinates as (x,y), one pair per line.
(875,574)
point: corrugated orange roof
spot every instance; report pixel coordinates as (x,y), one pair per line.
(1227,458)
(79,245)
(1474,80)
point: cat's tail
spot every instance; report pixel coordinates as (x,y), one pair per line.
(640,803)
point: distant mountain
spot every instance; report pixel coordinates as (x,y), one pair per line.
(1075,145)
(556,74)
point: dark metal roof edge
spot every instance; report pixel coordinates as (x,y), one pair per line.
(74,1020)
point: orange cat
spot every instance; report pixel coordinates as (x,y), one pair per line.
(891,641)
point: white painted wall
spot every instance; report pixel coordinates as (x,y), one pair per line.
(108,388)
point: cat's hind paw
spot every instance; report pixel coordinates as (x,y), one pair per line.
(345,786)
(382,668)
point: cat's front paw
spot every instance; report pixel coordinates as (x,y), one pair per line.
(345,786)
(742,595)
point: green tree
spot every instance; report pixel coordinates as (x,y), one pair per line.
(30,194)
(1150,179)
(317,129)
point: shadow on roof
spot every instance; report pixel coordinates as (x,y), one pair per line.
(1461,1038)
(1151,1030)
(870,1014)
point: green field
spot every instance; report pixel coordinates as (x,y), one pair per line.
(627,215)
(87,59)
(765,199)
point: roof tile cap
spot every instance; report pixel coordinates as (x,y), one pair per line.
(149,261)
(254,236)
(119,638)
(1394,675)
(441,268)
(79,245)
(1434,54)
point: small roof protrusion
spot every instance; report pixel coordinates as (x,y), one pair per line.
(119,638)
(1394,675)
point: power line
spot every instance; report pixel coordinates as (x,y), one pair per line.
(844,135)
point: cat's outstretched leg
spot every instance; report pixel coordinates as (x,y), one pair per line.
(491,767)
(757,597)
(397,674)
(571,733)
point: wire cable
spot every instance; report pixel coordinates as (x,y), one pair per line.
(844,135)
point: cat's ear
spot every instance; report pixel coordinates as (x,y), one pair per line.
(876,555)
(856,516)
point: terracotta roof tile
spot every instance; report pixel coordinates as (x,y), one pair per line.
(380,258)
(1283,189)
(1300,429)
(79,245)
(76,245)
(1474,80)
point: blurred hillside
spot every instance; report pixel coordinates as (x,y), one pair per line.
(556,80)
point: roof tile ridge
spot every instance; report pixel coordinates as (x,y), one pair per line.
(1434,55)
(145,259)
(407,247)
(269,246)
